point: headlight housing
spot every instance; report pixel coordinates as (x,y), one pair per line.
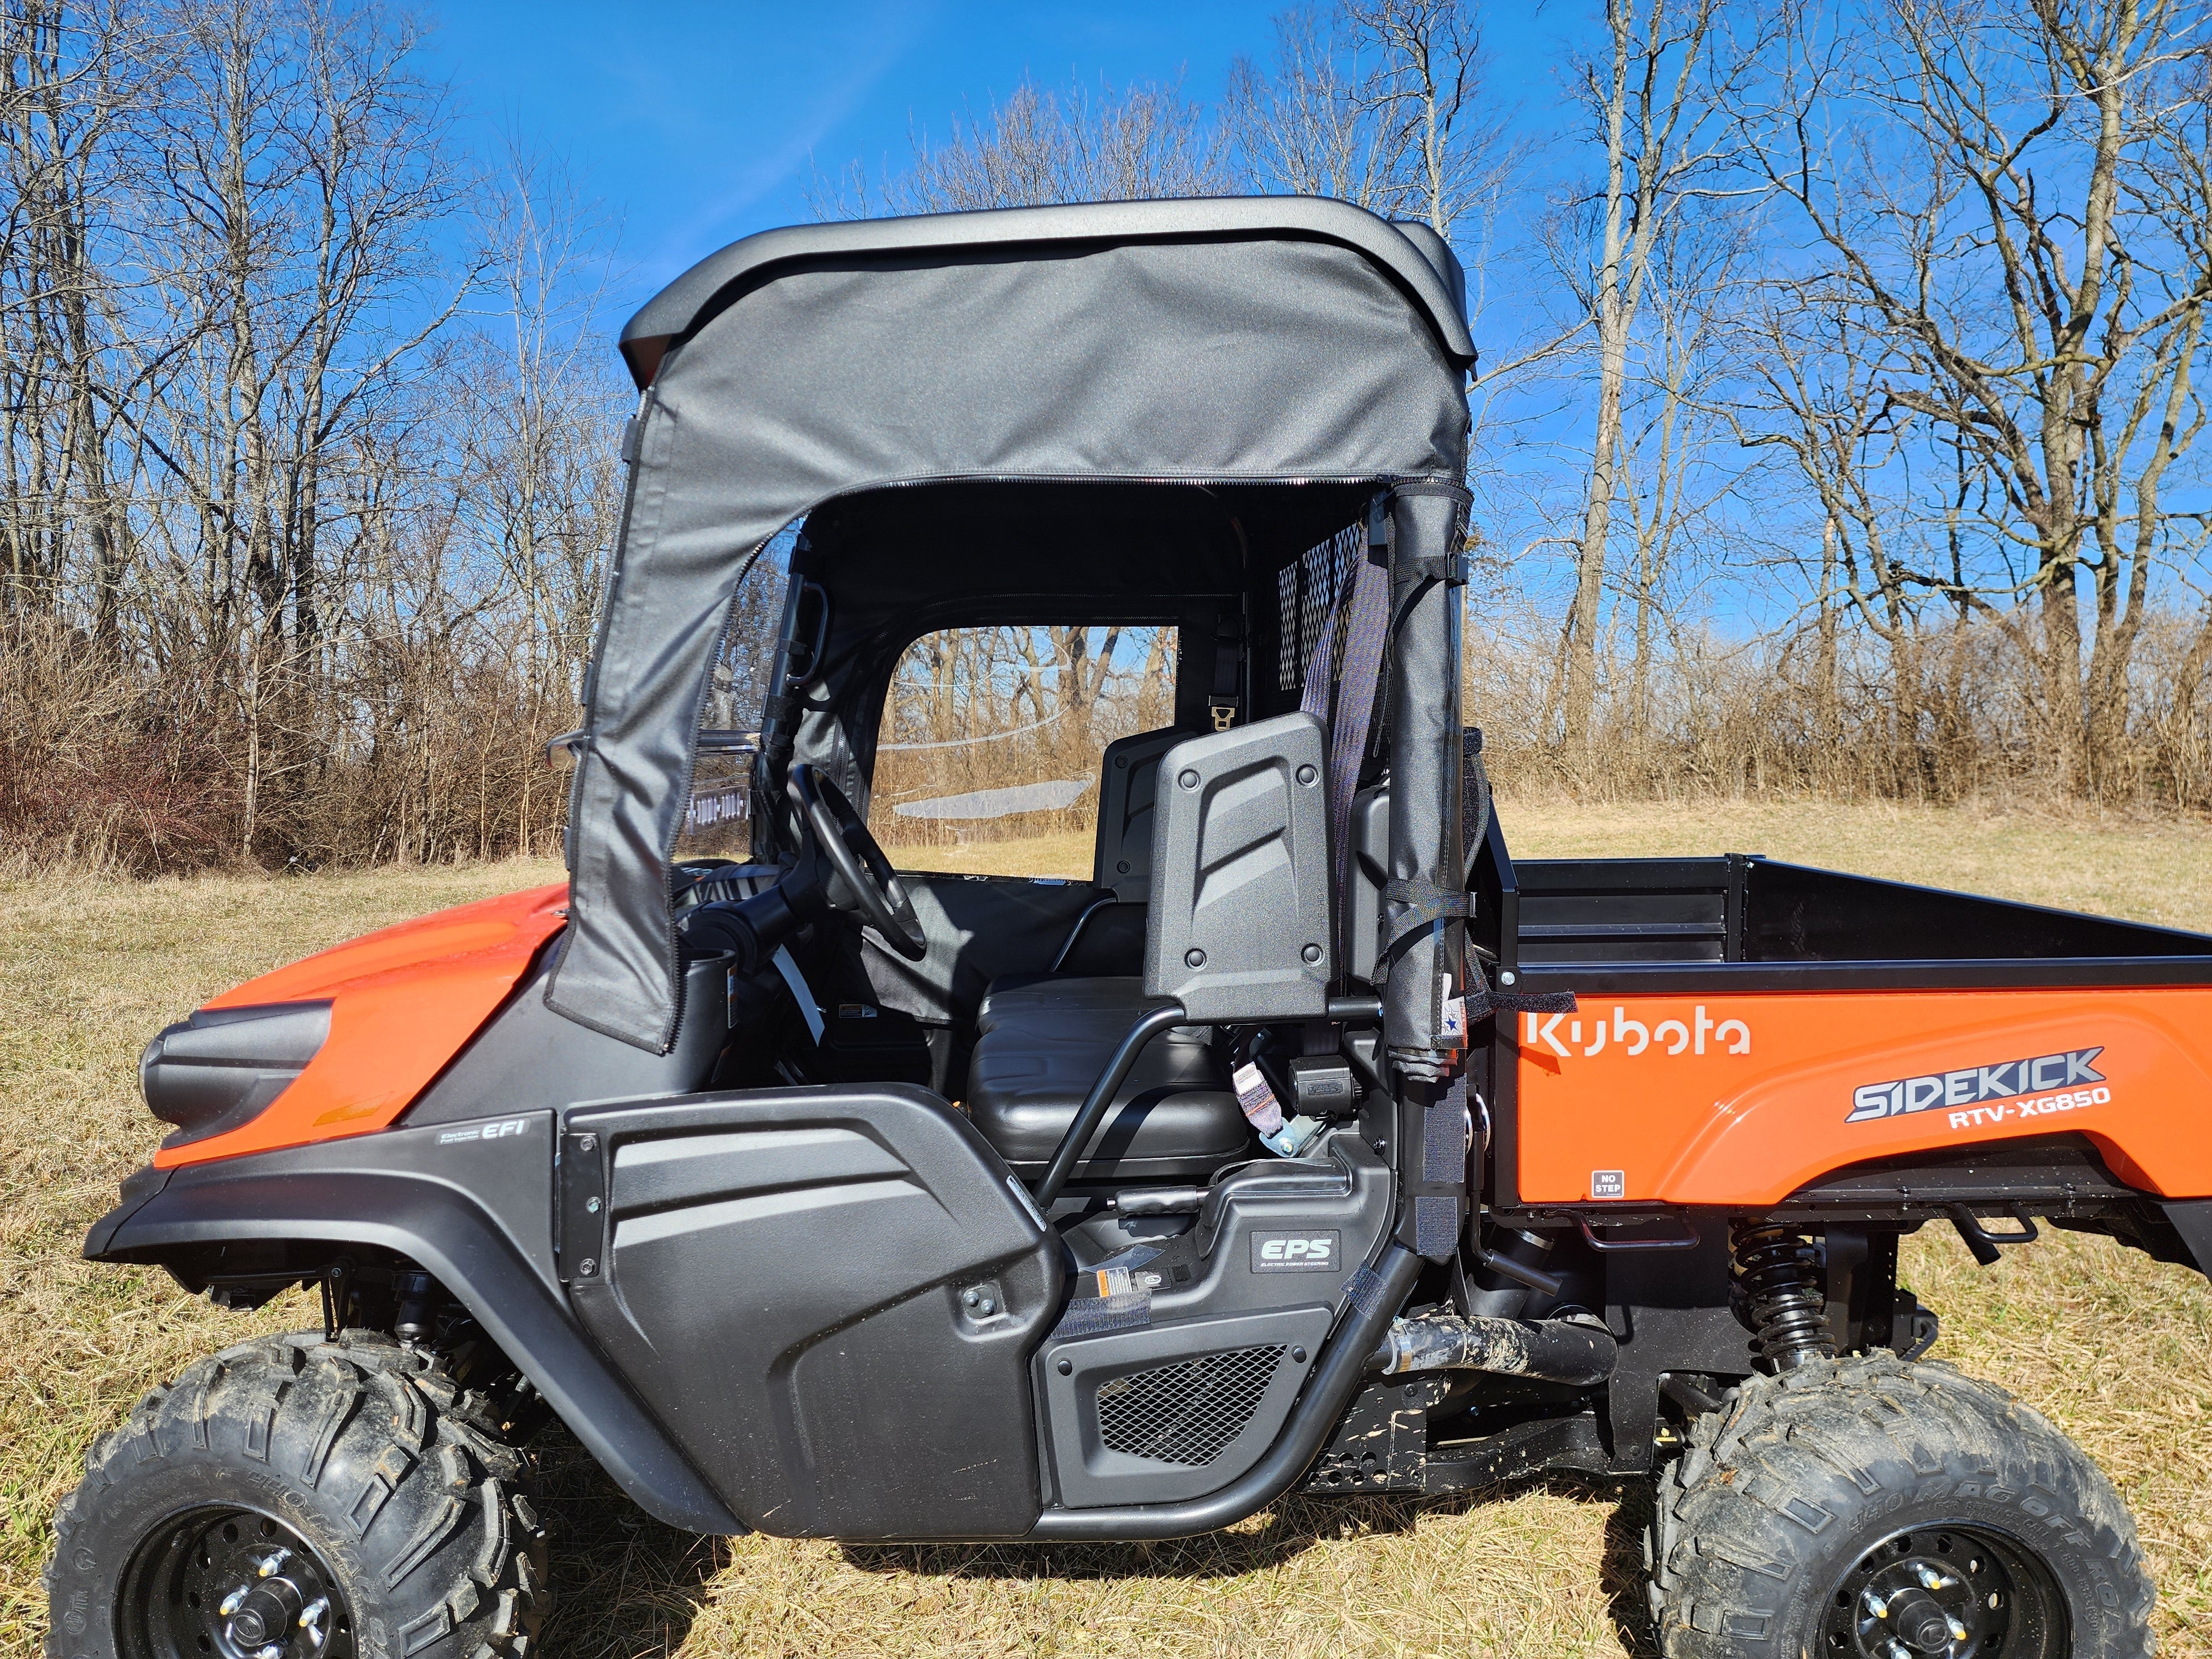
(221,1068)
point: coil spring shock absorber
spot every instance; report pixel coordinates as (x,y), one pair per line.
(1783,1276)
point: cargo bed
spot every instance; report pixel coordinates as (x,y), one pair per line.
(1949,984)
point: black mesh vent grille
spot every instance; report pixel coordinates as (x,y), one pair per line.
(1308,591)
(1188,1412)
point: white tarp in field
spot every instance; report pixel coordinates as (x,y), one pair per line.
(1049,796)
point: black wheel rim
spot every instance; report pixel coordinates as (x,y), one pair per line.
(231,1584)
(1946,1591)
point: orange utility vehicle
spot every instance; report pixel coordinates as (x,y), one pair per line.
(1312,1145)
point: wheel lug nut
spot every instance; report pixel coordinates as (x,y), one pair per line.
(232,1602)
(1876,1606)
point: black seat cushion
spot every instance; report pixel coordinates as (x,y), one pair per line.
(1040,999)
(1043,1043)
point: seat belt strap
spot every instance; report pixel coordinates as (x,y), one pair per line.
(1321,667)
(1223,704)
(1346,705)
(800,991)
(1367,626)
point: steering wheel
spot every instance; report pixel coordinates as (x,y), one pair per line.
(863,881)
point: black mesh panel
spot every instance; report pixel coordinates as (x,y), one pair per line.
(1188,1412)
(1308,591)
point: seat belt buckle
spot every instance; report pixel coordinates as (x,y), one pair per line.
(1224,716)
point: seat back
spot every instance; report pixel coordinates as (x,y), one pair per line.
(1128,773)
(1239,926)
(1366,871)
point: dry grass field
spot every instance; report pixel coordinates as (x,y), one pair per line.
(2117,1350)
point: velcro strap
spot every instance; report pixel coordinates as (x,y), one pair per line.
(776,710)
(1519,1002)
(1435,1226)
(1474,800)
(1089,1315)
(1450,569)
(1444,1141)
(1362,1291)
(1427,900)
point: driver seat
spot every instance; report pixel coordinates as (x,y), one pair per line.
(1040,1046)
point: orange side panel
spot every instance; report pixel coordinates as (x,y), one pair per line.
(403,1002)
(1740,1100)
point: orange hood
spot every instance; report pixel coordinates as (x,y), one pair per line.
(404,1001)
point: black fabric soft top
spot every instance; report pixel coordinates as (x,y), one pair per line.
(1240,342)
(1414,253)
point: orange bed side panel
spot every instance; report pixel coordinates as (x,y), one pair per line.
(404,1001)
(1740,1100)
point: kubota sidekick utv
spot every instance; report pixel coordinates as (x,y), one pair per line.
(1312,1145)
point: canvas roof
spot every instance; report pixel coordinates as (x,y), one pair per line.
(1249,342)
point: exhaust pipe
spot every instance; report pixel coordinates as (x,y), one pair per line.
(1579,1351)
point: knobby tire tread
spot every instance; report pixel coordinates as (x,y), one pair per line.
(397,1476)
(1742,1516)
(1741,1525)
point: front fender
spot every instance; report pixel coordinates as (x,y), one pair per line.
(471,1203)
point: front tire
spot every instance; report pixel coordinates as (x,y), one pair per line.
(294,1498)
(1869,1508)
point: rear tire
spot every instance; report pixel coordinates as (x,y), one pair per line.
(1869,1508)
(353,1473)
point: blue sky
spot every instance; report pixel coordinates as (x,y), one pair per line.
(692,124)
(696,124)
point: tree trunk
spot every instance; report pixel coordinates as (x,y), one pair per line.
(1612,319)
(1827,695)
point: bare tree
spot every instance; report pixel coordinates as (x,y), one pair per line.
(532,401)
(299,560)
(1654,101)
(1425,91)
(302,165)
(534,397)
(1307,128)
(1677,473)
(1139,143)
(1817,374)
(72,80)
(2017,200)
(1382,103)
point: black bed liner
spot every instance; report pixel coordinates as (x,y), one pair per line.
(1744,922)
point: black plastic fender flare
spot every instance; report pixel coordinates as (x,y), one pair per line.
(473,1204)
